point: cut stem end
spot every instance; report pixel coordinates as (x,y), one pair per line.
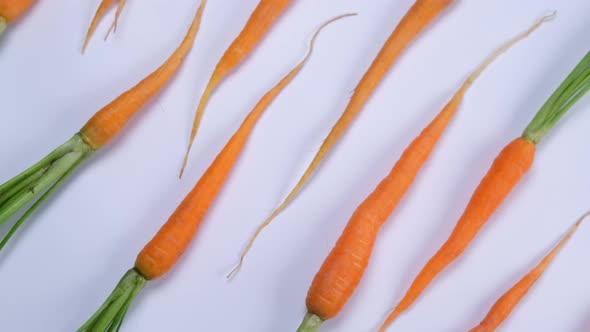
(3,24)
(311,323)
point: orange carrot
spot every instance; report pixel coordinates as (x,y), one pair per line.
(52,170)
(509,167)
(344,267)
(164,250)
(504,306)
(418,17)
(100,12)
(263,17)
(10,10)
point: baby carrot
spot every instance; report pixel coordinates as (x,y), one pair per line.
(417,18)
(171,241)
(50,172)
(510,166)
(261,20)
(100,11)
(10,10)
(344,267)
(504,306)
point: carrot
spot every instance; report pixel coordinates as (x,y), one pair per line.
(504,306)
(508,169)
(261,20)
(172,240)
(100,12)
(52,170)
(10,10)
(416,19)
(344,267)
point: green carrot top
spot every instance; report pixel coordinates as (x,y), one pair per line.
(569,92)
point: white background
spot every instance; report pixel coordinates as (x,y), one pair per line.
(70,254)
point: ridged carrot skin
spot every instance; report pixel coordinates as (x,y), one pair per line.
(420,15)
(344,267)
(258,25)
(111,119)
(12,9)
(505,304)
(167,246)
(506,172)
(162,252)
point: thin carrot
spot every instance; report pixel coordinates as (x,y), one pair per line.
(10,10)
(344,267)
(52,170)
(505,304)
(100,12)
(171,241)
(505,173)
(417,18)
(261,20)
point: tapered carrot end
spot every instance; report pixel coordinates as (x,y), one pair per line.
(104,5)
(185,159)
(389,320)
(113,27)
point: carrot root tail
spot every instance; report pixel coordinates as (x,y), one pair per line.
(43,177)
(110,316)
(113,27)
(311,323)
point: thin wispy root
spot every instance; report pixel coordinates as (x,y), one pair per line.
(100,12)
(235,270)
(45,176)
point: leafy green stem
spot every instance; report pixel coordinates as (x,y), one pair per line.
(43,177)
(574,87)
(109,317)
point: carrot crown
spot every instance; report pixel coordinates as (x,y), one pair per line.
(569,92)
(2,24)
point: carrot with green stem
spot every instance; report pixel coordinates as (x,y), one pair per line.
(258,25)
(100,12)
(505,304)
(344,267)
(509,167)
(172,240)
(10,10)
(51,171)
(417,18)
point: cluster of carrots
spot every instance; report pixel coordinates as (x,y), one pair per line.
(343,269)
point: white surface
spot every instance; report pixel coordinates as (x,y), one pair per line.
(71,254)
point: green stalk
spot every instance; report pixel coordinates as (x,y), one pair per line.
(311,323)
(3,24)
(109,317)
(34,207)
(44,176)
(574,87)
